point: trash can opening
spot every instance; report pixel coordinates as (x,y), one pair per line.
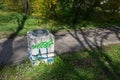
(40,32)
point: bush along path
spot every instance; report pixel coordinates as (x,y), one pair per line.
(68,41)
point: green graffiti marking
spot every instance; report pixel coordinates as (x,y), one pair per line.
(45,44)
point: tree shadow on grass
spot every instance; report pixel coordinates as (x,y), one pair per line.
(7,46)
(97,66)
(64,68)
(97,52)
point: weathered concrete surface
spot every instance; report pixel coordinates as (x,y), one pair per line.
(12,51)
(76,40)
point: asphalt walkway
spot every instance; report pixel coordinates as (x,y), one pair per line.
(12,51)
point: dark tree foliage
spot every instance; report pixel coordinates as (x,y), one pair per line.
(68,11)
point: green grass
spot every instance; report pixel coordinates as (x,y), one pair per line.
(92,64)
(9,24)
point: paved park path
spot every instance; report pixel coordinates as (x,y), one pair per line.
(12,51)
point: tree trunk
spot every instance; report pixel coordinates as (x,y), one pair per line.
(26,7)
(77,9)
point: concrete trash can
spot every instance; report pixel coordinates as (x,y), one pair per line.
(40,46)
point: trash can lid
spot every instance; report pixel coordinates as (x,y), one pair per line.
(40,32)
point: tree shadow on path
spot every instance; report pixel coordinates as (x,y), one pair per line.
(97,52)
(7,46)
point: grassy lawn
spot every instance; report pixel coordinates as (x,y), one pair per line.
(101,64)
(9,23)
